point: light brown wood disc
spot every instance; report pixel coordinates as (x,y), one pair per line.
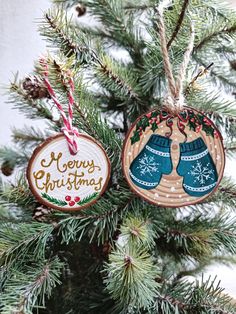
(170,191)
(68,182)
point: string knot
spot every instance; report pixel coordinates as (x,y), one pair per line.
(173,104)
(71,136)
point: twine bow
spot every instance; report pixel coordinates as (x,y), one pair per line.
(174,100)
(71,133)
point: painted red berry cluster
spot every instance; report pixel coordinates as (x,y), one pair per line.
(71,201)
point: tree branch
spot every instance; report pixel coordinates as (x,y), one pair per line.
(228,191)
(179,23)
(73,48)
(107,213)
(229,30)
(191,307)
(138,7)
(117,80)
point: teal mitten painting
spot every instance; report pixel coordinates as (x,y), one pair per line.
(152,162)
(197,168)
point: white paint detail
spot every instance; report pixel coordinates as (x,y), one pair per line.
(195,157)
(157,152)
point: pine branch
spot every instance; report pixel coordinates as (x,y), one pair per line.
(138,7)
(61,35)
(221,77)
(87,117)
(58,69)
(66,3)
(13,157)
(230,148)
(33,109)
(207,39)
(22,239)
(17,194)
(199,237)
(130,278)
(110,74)
(95,33)
(122,29)
(28,137)
(221,111)
(179,23)
(137,230)
(200,297)
(86,125)
(225,195)
(99,221)
(70,47)
(28,287)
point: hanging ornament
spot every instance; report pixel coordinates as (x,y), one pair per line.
(173,160)
(64,181)
(174,156)
(71,170)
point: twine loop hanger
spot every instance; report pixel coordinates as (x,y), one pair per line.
(174,101)
(70,132)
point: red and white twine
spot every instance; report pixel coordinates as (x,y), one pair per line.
(71,133)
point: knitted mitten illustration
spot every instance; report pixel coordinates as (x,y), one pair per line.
(197,168)
(152,162)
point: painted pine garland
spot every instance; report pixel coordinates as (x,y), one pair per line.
(53,200)
(62,203)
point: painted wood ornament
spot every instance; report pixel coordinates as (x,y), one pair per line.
(173,161)
(64,181)
(71,170)
(174,156)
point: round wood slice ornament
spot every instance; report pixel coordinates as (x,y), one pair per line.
(173,160)
(64,181)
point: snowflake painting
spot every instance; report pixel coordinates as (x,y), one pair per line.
(202,173)
(147,165)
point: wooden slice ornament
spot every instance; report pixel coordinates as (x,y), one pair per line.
(173,161)
(64,181)
(173,157)
(69,171)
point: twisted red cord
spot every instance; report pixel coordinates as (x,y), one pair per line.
(71,133)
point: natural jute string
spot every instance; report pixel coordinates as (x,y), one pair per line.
(174,100)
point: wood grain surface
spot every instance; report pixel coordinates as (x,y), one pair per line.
(169,192)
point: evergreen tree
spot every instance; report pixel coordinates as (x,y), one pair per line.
(121,255)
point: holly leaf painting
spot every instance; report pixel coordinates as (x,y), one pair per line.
(135,138)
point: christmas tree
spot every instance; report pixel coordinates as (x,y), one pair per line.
(121,254)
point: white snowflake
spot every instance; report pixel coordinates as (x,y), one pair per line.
(201,173)
(147,165)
